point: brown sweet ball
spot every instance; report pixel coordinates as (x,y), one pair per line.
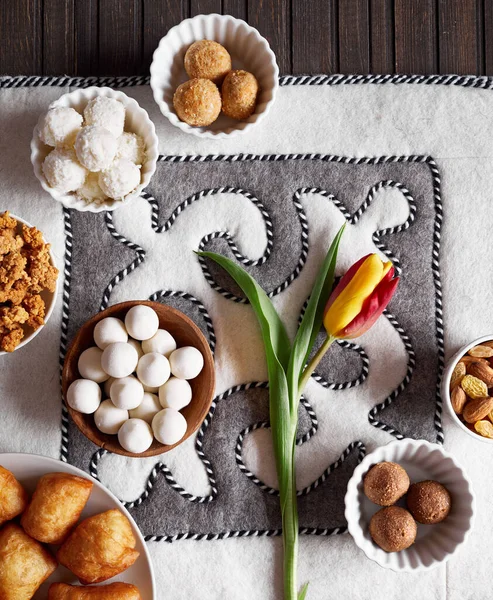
(207,60)
(429,502)
(197,102)
(393,528)
(239,93)
(385,483)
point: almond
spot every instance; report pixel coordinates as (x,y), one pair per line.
(481,371)
(458,399)
(481,351)
(489,344)
(467,360)
(476,410)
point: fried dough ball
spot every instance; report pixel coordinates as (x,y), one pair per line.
(24,564)
(393,528)
(112,591)
(55,507)
(207,60)
(239,94)
(197,102)
(13,497)
(99,548)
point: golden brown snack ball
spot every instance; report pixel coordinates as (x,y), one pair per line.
(197,102)
(385,483)
(207,60)
(239,93)
(429,502)
(393,528)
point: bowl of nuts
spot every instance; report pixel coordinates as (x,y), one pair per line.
(467,388)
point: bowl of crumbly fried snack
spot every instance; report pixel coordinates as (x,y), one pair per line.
(64,536)
(28,282)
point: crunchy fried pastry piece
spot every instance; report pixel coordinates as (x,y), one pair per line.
(11,316)
(35,307)
(33,237)
(9,241)
(24,564)
(13,497)
(99,548)
(7,222)
(12,339)
(43,274)
(112,591)
(12,268)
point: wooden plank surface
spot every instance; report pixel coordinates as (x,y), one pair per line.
(118,37)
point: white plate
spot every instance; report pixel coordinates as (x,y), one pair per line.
(28,468)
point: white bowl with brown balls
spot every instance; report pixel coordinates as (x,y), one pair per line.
(467,388)
(409,506)
(214,76)
(94,149)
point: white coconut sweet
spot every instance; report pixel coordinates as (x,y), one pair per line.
(109,418)
(146,410)
(153,369)
(119,359)
(95,147)
(141,322)
(127,392)
(120,178)
(105,112)
(161,342)
(132,147)
(186,362)
(84,396)
(60,126)
(175,393)
(135,435)
(109,331)
(169,426)
(62,170)
(90,191)
(89,365)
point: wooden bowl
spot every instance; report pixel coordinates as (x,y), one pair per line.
(185,332)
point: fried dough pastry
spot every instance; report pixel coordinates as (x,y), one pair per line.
(24,564)
(99,548)
(13,497)
(113,591)
(55,508)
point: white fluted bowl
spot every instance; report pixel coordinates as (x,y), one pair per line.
(136,121)
(248,50)
(434,544)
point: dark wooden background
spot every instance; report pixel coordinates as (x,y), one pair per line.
(118,37)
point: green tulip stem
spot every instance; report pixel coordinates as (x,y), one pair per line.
(313,364)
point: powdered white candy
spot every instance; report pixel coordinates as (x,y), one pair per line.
(137,345)
(84,395)
(131,146)
(151,389)
(153,369)
(119,359)
(175,393)
(90,365)
(95,147)
(107,386)
(169,426)
(106,112)
(120,178)
(161,342)
(147,408)
(141,322)
(90,190)
(109,331)
(127,392)
(109,418)
(62,170)
(59,126)
(186,362)
(135,435)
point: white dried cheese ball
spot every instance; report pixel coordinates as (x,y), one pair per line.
(62,170)
(147,408)
(137,345)
(90,190)
(161,342)
(175,393)
(109,418)
(60,126)
(109,331)
(106,112)
(119,359)
(89,365)
(84,395)
(186,362)
(169,426)
(107,386)
(127,392)
(135,435)
(132,147)
(141,322)
(153,369)
(121,178)
(95,148)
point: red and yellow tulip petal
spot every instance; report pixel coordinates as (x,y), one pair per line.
(343,282)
